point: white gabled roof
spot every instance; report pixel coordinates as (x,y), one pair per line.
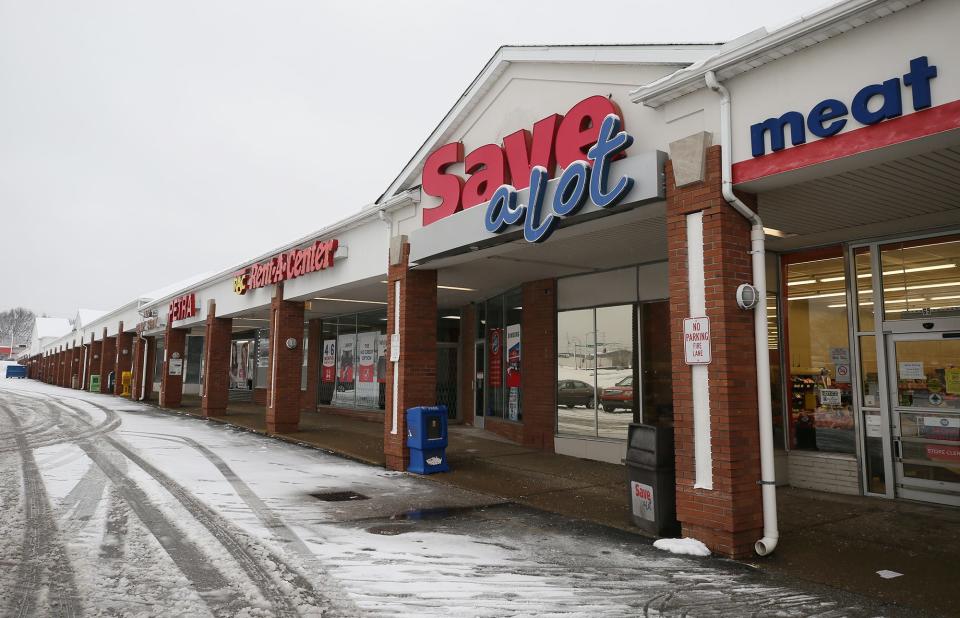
(52,327)
(87,316)
(761,47)
(657,53)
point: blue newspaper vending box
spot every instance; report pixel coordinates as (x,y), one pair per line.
(427,439)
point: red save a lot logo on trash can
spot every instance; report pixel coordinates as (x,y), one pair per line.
(642,496)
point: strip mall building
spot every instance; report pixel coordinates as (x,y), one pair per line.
(538,263)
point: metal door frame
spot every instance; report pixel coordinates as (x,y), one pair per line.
(940,492)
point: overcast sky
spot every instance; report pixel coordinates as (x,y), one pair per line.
(144,142)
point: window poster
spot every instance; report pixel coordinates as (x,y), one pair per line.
(495,357)
(382,358)
(344,393)
(513,371)
(241,364)
(328,372)
(368,391)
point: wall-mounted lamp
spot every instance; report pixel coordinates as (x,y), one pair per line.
(291,343)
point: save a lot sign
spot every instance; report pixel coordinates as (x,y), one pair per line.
(569,168)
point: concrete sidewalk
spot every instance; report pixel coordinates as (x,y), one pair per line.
(839,541)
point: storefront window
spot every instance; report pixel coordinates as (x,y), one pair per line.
(496,378)
(158,359)
(863,286)
(242,360)
(921,278)
(262,365)
(818,351)
(656,364)
(353,360)
(194,368)
(576,373)
(872,423)
(615,375)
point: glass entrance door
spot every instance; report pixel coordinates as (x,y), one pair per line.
(924,370)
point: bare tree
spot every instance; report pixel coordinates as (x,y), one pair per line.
(16,327)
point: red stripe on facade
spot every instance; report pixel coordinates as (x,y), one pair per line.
(919,124)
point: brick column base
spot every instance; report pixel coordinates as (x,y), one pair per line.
(283,383)
(108,356)
(728,517)
(171,387)
(123,359)
(417,368)
(216,364)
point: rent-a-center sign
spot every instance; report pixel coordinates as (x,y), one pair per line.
(570,167)
(288,265)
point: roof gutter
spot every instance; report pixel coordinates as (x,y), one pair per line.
(378,212)
(767,481)
(804,32)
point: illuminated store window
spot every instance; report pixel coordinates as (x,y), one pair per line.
(921,278)
(818,354)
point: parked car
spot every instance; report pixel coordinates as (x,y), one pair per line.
(574,393)
(619,396)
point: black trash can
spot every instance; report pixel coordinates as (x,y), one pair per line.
(651,479)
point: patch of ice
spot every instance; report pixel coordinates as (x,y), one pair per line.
(684,546)
(884,573)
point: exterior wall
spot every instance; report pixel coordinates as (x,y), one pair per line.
(833,472)
(216,364)
(283,381)
(124,358)
(840,66)
(466,387)
(530,91)
(417,368)
(725,513)
(171,387)
(538,344)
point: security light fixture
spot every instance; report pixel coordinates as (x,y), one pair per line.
(746,296)
(291,343)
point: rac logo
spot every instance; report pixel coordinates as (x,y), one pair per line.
(829,117)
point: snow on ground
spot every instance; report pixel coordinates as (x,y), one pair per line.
(683,547)
(168,514)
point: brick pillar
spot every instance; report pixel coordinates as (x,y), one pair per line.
(728,517)
(216,363)
(468,358)
(76,366)
(171,387)
(108,358)
(124,358)
(538,371)
(137,368)
(64,367)
(96,350)
(84,367)
(151,345)
(283,381)
(310,397)
(417,368)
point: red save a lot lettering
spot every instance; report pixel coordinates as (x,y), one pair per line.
(557,140)
(642,493)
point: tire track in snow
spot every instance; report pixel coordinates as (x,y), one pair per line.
(266,516)
(232,539)
(43,557)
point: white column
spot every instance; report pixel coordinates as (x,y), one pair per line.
(699,383)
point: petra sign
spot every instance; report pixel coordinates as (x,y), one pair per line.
(555,141)
(287,265)
(183,307)
(871,104)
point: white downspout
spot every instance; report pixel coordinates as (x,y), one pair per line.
(146,355)
(771,534)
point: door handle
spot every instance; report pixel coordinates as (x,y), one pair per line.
(897,449)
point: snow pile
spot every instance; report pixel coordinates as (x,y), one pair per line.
(685,546)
